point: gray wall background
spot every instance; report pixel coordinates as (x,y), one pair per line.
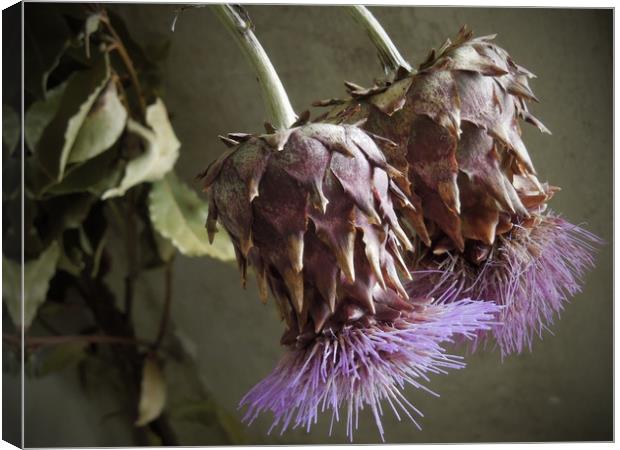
(561,391)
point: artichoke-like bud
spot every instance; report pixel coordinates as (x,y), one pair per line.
(310,208)
(479,210)
(455,124)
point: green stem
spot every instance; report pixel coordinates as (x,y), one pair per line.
(388,53)
(279,109)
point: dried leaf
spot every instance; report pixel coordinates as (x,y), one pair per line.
(162,150)
(179,215)
(153,392)
(96,176)
(65,212)
(83,88)
(40,114)
(101,128)
(37,275)
(91,25)
(71,259)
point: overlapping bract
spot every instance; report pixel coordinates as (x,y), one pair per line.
(311,209)
(455,124)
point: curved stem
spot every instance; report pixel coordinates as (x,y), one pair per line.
(124,54)
(276,100)
(388,53)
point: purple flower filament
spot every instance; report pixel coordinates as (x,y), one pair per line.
(532,272)
(361,367)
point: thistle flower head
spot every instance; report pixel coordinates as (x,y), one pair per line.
(478,206)
(455,123)
(532,271)
(311,209)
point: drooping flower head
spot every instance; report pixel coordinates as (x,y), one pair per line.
(477,201)
(311,209)
(455,126)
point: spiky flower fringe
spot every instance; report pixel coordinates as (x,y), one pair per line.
(531,272)
(363,366)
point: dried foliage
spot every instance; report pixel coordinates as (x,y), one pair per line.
(99,156)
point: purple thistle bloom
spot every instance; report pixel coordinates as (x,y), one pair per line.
(532,272)
(362,366)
